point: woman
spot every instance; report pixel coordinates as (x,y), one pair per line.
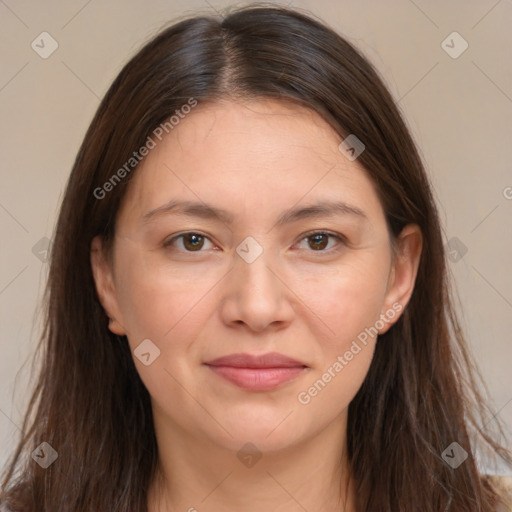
(248,305)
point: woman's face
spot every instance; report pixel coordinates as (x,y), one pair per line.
(298,262)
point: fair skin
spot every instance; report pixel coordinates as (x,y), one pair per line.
(305,297)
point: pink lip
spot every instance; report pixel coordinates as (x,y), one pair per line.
(257,373)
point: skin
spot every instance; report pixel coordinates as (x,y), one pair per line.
(255,159)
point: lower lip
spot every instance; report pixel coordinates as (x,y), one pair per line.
(257,379)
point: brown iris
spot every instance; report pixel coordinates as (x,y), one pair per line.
(193,242)
(319,245)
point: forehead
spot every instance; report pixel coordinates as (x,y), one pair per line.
(248,155)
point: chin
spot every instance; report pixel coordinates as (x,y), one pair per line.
(266,436)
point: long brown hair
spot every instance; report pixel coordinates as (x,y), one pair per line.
(90,405)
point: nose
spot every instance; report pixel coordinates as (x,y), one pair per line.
(257,296)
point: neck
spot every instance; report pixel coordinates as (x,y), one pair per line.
(195,475)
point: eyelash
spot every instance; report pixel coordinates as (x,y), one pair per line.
(341,239)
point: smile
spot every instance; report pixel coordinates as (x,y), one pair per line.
(257,372)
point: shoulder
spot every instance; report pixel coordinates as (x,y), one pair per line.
(505,484)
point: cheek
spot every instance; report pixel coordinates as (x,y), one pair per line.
(156,300)
(349,305)
(331,389)
(166,307)
(347,299)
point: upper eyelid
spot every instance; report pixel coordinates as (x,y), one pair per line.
(341,238)
(322,232)
(179,235)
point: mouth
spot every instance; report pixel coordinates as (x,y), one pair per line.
(257,373)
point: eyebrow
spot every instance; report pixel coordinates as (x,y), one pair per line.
(209,212)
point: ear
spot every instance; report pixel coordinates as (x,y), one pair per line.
(103,279)
(403,273)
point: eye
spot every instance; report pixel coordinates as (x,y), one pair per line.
(191,241)
(319,240)
(194,242)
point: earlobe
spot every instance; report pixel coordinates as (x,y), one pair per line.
(403,274)
(103,279)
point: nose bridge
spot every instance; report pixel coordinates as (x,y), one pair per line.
(253,261)
(250,250)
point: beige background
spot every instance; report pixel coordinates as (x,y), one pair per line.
(459,110)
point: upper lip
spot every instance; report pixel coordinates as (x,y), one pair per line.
(269,360)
